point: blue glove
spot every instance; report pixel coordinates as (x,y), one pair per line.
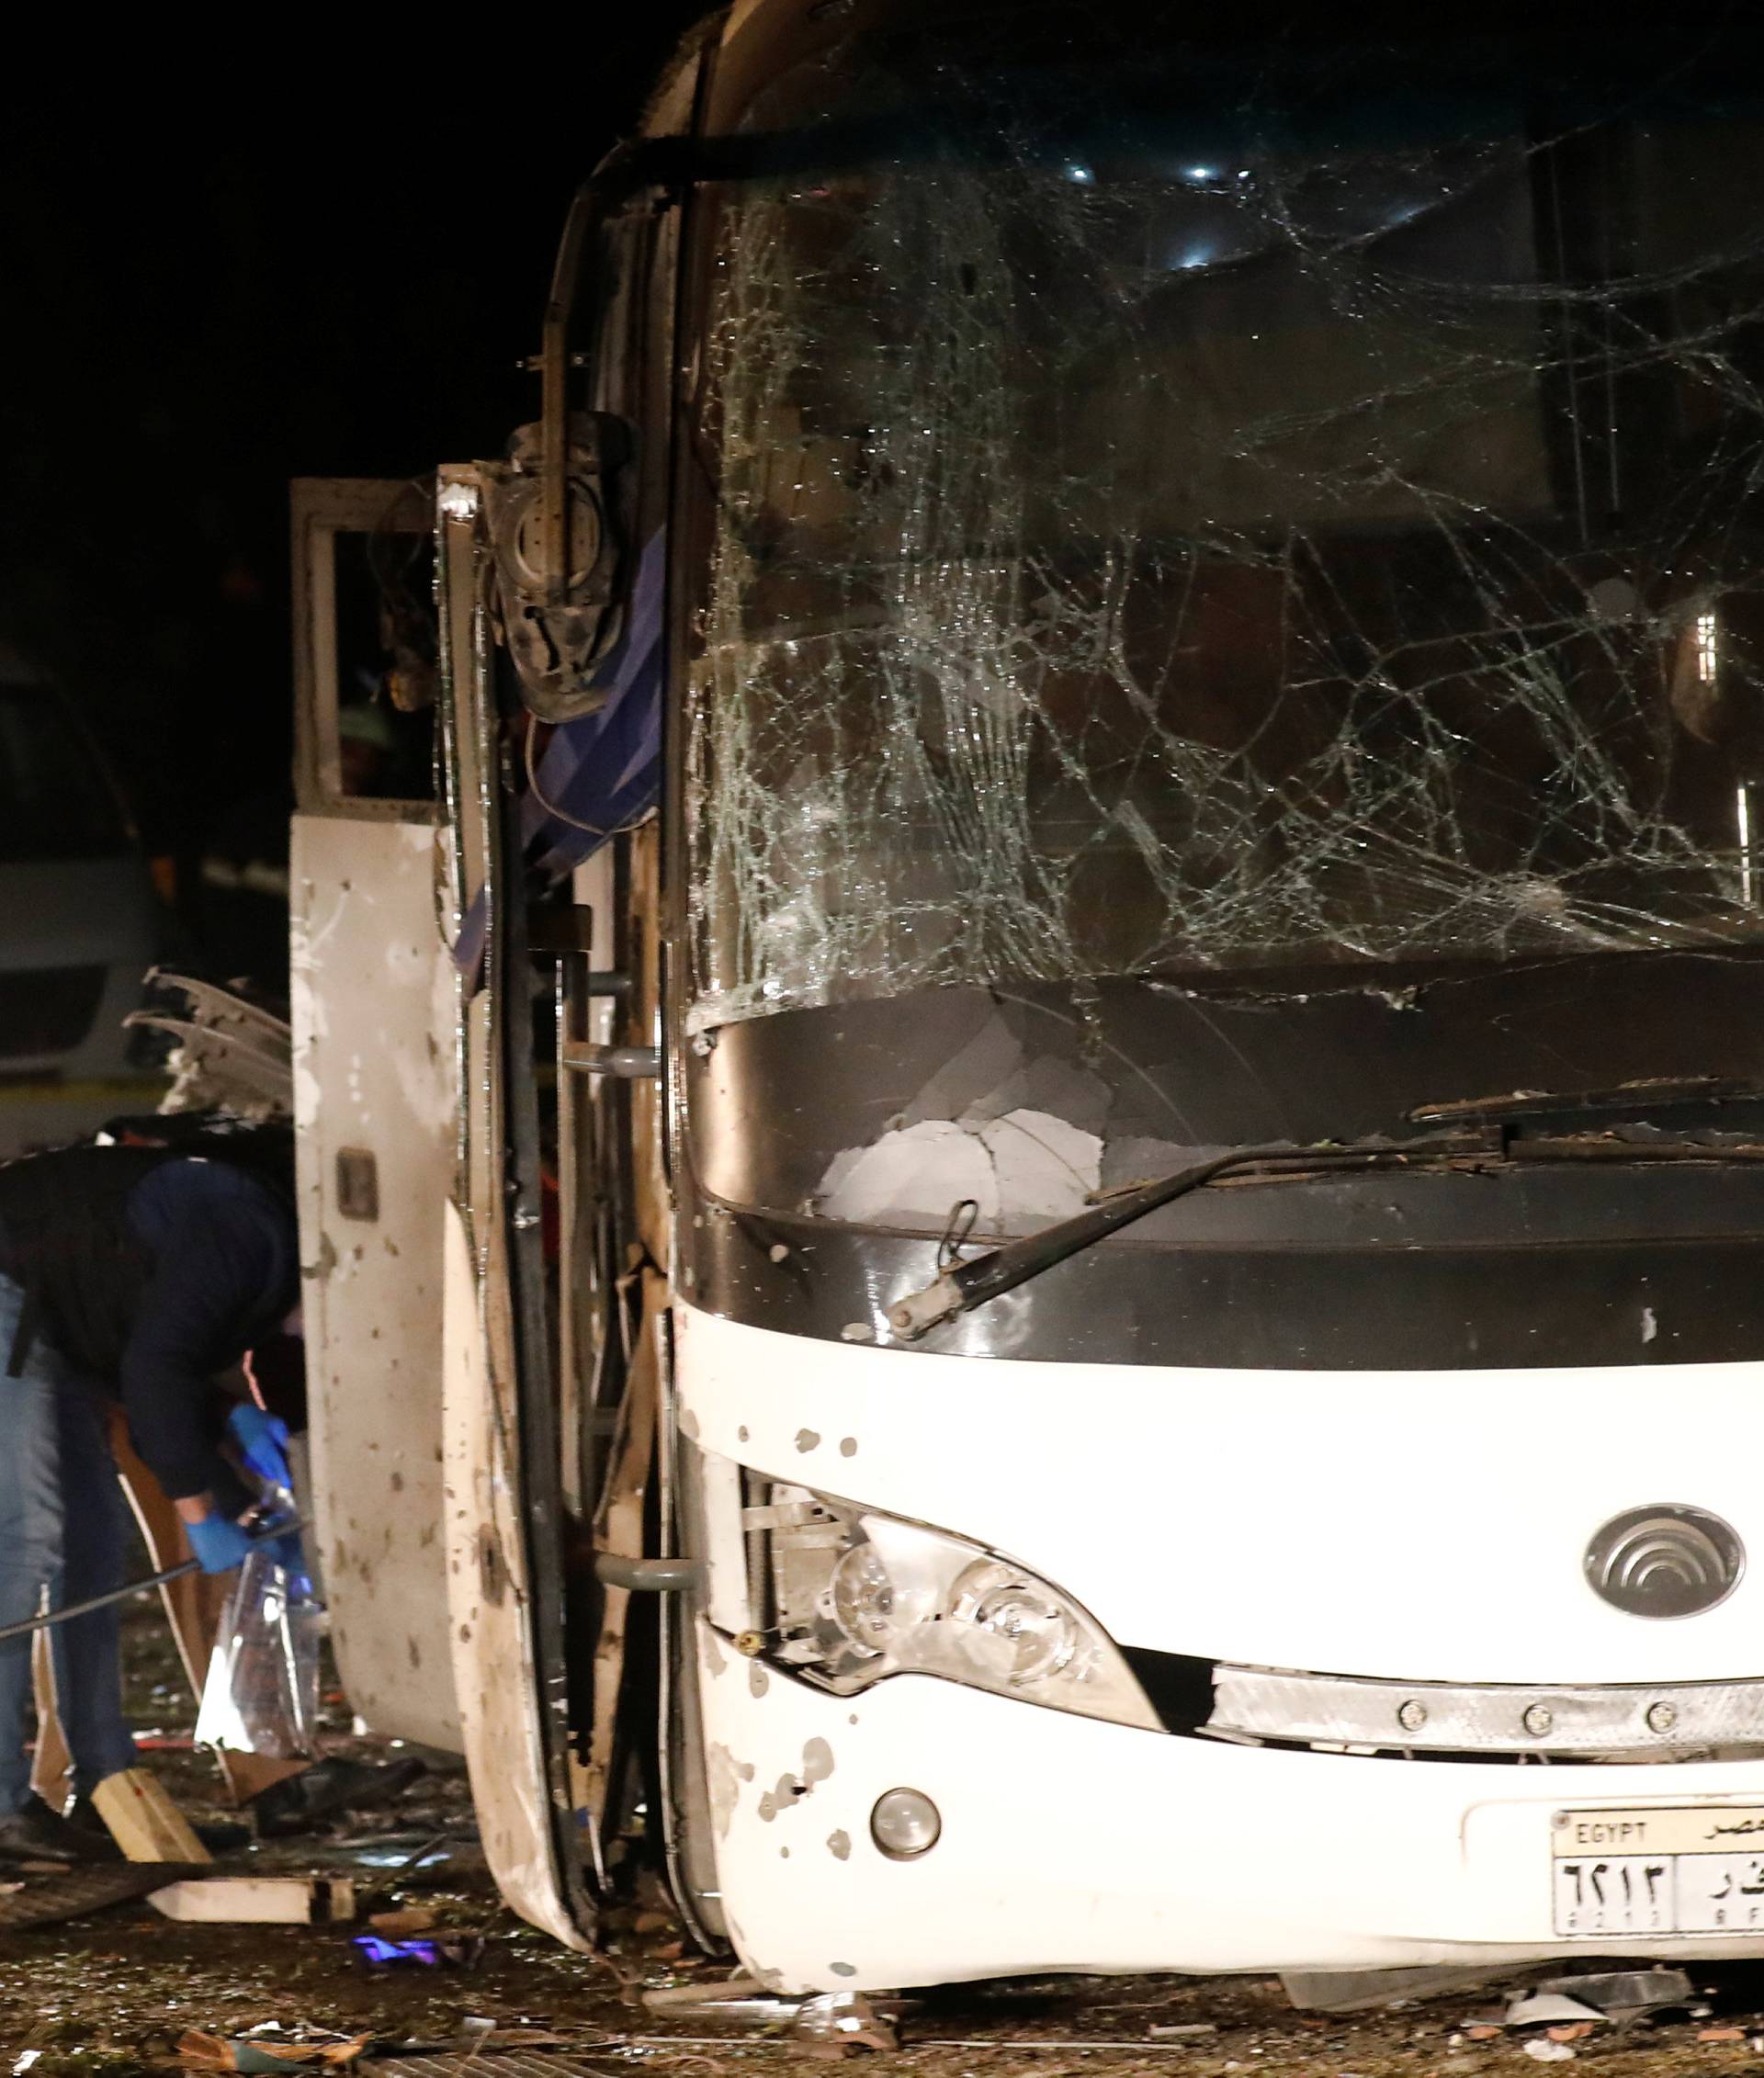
(263,1442)
(218,1544)
(287,1553)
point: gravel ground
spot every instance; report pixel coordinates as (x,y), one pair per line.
(113,1992)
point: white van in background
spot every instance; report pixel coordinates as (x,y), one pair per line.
(79,924)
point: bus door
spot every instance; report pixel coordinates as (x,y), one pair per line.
(372,1001)
(528,1283)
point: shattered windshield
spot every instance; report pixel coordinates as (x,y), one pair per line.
(1215,516)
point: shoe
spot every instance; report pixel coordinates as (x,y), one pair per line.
(326,1789)
(219,1836)
(83,1815)
(35,1833)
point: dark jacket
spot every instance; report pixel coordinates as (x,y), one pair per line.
(151,1270)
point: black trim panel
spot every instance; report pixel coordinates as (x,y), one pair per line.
(1620,1302)
(1554,1265)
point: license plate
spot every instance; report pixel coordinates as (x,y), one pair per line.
(1692,1869)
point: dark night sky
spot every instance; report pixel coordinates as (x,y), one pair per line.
(202,309)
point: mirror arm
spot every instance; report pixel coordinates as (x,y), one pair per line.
(554,415)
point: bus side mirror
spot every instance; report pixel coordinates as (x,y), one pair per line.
(557,527)
(561,617)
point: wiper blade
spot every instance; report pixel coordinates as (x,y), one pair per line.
(1659,1092)
(962,1286)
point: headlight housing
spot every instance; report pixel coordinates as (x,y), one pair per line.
(857,1596)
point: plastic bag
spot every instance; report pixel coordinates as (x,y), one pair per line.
(262,1693)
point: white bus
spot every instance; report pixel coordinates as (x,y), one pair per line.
(1033,1206)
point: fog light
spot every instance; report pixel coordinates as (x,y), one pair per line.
(905,1823)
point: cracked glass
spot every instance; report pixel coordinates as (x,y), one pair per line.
(1227,514)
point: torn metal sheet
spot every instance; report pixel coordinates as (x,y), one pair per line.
(1547,2009)
(1623,1993)
(232,1054)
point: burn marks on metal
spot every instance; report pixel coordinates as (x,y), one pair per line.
(724,1775)
(805,1440)
(791,1788)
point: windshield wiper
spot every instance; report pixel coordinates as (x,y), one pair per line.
(960,1287)
(1659,1092)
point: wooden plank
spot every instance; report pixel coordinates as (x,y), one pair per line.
(291,1901)
(143,1821)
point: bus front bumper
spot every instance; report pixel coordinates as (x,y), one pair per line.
(1070,1845)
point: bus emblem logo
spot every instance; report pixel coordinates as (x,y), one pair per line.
(1665,1560)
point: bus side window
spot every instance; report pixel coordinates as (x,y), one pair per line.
(367,631)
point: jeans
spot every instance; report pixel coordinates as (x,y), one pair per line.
(61,1534)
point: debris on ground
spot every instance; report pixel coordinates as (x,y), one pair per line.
(57,1893)
(844,2020)
(1625,1994)
(335,1788)
(411,1919)
(734,1988)
(119,1990)
(461,1953)
(1361,1991)
(1544,2009)
(289,1901)
(266,2048)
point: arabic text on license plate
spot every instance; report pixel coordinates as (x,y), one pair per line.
(1689,1869)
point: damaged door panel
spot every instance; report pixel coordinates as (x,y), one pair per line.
(552,770)
(374,1093)
(510,1463)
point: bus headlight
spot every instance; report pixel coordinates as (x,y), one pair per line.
(858,1596)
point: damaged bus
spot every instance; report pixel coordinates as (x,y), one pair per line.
(1034,1198)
